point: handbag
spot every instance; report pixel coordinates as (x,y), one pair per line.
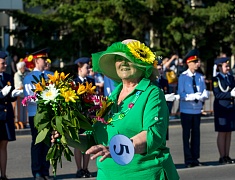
(171,76)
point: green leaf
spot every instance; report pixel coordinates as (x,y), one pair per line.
(36,79)
(44,125)
(38,118)
(51,152)
(59,124)
(41,135)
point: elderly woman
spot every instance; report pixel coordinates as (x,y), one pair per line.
(139,112)
(18,81)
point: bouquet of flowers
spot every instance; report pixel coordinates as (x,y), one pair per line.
(65,107)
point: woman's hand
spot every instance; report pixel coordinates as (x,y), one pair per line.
(99,150)
(54,136)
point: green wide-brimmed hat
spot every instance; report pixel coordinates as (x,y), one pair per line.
(134,51)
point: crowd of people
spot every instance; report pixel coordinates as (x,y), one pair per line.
(138,86)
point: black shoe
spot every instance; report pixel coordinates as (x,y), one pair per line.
(80,173)
(189,165)
(229,160)
(198,164)
(87,174)
(222,160)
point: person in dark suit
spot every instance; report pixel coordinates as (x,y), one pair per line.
(224,108)
(7,127)
(83,71)
(82,77)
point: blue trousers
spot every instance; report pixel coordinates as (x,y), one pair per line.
(39,165)
(191,137)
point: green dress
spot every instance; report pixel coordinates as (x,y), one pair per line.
(149,113)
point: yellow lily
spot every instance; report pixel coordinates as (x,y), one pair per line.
(38,87)
(102,110)
(81,89)
(89,88)
(69,95)
(54,78)
(63,76)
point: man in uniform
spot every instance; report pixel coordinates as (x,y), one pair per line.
(39,165)
(192,92)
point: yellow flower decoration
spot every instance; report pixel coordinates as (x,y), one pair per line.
(81,89)
(69,95)
(38,87)
(48,61)
(142,52)
(102,110)
(63,76)
(89,88)
(30,58)
(54,78)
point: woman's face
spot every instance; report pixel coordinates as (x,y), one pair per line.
(126,70)
(22,70)
(225,68)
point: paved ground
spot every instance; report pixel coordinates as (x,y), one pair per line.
(19,156)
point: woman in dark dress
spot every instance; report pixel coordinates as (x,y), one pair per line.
(7,127)
(224,108)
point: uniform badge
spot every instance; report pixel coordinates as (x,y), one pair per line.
(215,84)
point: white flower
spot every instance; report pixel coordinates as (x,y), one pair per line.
(50,93)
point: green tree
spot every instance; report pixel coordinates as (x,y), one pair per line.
(73,28)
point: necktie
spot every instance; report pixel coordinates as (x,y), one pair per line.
(84,81)
(194,87)
(0,77)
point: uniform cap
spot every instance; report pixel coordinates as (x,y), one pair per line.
(191,56)
(82,60)
(3,55)
(43,53)
(221,60)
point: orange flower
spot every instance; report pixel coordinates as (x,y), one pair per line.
(54,78)
(38,87)
(81,89)
(89,88)
(63,76)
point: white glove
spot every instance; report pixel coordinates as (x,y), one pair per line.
(233,92)
(190,97)
(205,94)
(16,92)
(170,97)
(177,97)
(6,90)
(198,96)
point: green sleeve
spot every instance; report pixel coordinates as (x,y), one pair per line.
(156,118)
